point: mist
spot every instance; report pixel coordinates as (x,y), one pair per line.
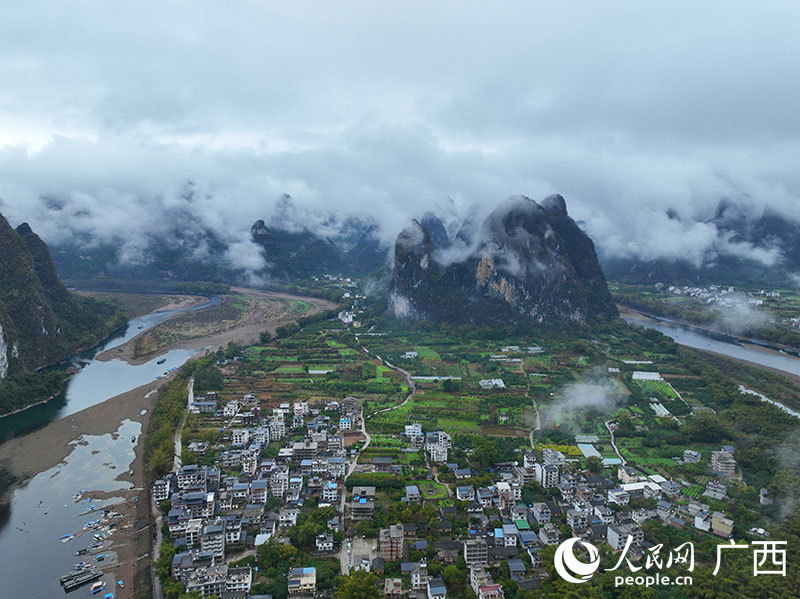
(365,111)
(736,314)
(595,391)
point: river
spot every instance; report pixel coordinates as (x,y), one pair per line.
(97,381)
(38,512)
(725,345)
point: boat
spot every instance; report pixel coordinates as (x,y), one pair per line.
(75,578)
(97,587)
(161,361)
(66,538)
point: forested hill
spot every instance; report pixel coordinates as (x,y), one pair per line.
(41,322)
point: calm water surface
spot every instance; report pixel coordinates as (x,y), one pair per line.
(33,556)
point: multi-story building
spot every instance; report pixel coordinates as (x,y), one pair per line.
(279,482)
(476,552)
(541,512)
(162,488)
(576,519)
(619,497)
(191,475)
(258,491)
(551,457)
(240,436)
(337,467)
(193,531)
(546,475)
(627,474)
(277,428)
(438,453)
(618,534)
(392,543)
(362,506)
(330,492)
(549,534)
(419,576)
(213,540)
(302,581)
(324,543)
(436,589)
(305,449)
(723,463)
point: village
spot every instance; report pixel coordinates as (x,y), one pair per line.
(441,476)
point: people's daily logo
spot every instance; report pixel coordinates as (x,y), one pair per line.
(645,566)
(569,567)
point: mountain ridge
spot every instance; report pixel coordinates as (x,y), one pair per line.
(41,322)
(526,262)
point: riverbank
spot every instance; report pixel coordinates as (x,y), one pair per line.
(760,343)
(744,344)
(26,456)
(263,317)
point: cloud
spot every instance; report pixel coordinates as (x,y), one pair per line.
(735,313)
(594,392)
(378,111)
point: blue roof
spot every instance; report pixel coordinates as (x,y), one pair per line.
(498,533)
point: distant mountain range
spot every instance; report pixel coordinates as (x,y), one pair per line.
(289,247)
(525,262)
(40,321)
(736,222)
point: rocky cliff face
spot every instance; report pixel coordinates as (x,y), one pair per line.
(525,262)
(40,321)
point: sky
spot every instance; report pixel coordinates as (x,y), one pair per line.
(628,109)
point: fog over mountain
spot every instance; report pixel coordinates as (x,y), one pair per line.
(108,116)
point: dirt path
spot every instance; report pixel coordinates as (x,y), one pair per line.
(533,402)
(613,443)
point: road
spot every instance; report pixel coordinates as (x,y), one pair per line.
(412,388)
(154,508)
(613,443)
(178,432)
(346,552)
(345,557)
(535,406)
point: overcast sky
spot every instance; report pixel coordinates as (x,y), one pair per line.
(387,108)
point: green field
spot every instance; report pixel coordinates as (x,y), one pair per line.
(430,489)
(657,388)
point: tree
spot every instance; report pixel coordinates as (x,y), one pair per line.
(594,464)
(359,585)
(264,337)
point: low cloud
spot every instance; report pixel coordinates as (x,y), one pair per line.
(594,392)
(105,119)
(737,313)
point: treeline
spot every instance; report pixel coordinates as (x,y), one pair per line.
(27,388)
(169,408)
(379,481)
(144,286)
(771,333)
(290,328)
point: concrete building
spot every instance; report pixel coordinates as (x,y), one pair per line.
(618,535)
(392,543)
(476,552)
(302,581)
